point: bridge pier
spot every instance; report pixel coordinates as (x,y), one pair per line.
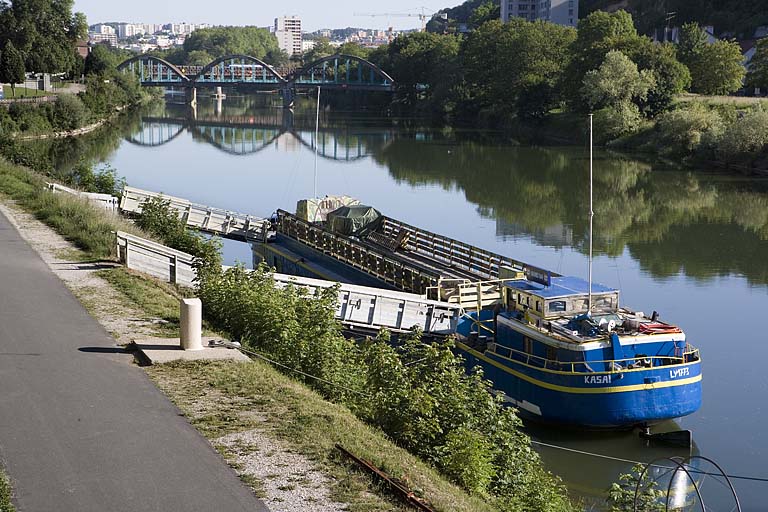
(288,96)
(191,96)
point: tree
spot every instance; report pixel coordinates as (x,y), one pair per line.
(715,68)
(691,41)
(758,69)
(354,49)
(672,76)
(199,58)
(612,90)
(528,65)
(321,49)
(222,41)
(616,81)
(44,31)
(100,60)
(11,66)
(718,68)
(598,33)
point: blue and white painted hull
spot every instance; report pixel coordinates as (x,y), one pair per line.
(600,400)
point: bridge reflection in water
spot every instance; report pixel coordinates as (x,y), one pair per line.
(249,134)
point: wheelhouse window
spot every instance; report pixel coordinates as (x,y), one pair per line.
(556,306)
(552,353)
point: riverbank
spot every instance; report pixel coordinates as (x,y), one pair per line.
(243,409)
(715,132)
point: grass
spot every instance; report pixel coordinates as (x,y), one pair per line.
(23,92)
(738,101)
(157,299)
(5,494)
(221,398)
(79,221)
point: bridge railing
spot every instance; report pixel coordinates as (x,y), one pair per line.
(238,226)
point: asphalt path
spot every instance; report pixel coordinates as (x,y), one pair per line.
(81,428)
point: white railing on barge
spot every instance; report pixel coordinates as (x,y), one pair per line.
(225,223)
(358,306)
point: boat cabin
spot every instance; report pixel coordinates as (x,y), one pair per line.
(563,296)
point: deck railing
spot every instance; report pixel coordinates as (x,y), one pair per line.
(615,365)
(399,274)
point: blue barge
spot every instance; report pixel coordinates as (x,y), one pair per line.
(558,349)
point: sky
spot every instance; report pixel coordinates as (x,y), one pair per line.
(313,13)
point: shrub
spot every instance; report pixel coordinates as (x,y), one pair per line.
(680,131)
(69,113)
(746,137)
(615,121)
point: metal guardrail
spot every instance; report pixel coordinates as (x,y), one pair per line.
(106,201)
(238,226)
(357,306)
(155,259)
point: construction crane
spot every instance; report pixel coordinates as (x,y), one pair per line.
(423,16)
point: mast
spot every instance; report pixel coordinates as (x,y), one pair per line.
(317,141)
(591,215)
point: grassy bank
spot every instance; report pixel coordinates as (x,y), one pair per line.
(5,494)
(223,398)
(88,227)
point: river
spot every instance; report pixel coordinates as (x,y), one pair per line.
(691,245)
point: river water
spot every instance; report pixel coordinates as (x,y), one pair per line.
(691,245)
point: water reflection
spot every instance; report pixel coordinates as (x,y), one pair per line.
(672,222)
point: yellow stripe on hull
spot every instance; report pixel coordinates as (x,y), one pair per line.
(569,389)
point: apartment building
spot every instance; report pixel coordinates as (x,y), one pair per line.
(287,29)
(561,12)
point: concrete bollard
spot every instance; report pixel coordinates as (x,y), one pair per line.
(191,324)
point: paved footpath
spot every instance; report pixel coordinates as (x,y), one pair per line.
(81,428)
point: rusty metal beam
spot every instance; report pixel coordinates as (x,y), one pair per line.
(402,492)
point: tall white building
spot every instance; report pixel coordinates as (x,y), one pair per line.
(287,29)
(561,12)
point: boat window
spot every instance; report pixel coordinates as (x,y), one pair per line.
(556,306)
(538,305)
(527,345)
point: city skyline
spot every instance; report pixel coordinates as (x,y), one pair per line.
(314,16)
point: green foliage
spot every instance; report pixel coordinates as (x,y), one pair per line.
(321,49)
(418,394)
(103,181)
(11,66)
(671,76)
(426,66)
(472,13)
(758,68)
(222,41)
(621,496)
(530,59)
(102,60)
(69,112)
(159,219)
(617,81)
(715,68)
(354,49)
(44,31)
(681,131)
(746,138)
(6,492)
(616,121)
(199,58)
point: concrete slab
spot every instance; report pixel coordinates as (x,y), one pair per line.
(165,350)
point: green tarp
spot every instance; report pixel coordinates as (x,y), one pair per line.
(353,220)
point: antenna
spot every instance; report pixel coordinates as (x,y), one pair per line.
(317,139)
(591,215)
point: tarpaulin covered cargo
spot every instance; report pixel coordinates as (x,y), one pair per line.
(316,210)
(353,220)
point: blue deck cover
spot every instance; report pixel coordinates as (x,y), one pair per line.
(562,286)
